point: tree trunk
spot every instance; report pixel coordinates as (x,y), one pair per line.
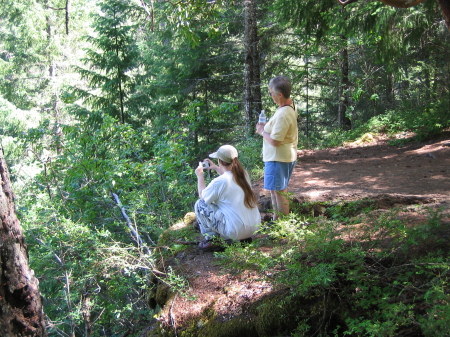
(445,9)
(67,16)
(86,308)
(343,121)
(252,74)
(390,90)
(21,312)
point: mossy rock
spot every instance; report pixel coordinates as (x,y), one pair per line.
(207,324)
(282,313)
(185,230)
(239,326)
(163,293)
(158,294)
(278,314)
(190,219)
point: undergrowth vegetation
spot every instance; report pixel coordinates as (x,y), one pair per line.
(423,126)
(369,271)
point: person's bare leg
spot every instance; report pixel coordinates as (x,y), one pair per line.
(280,203)
(283,202)
(273,197)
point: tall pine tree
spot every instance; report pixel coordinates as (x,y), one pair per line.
(112,59)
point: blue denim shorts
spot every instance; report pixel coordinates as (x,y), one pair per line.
(277,175)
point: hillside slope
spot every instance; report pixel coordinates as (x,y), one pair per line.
(223,299)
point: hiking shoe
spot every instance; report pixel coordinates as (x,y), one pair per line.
(248,240)
(211,246)
(267,225)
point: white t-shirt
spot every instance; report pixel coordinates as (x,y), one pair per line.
(241,222)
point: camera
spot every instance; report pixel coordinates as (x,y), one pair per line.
(205,164)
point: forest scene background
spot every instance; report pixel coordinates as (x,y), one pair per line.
(110,105)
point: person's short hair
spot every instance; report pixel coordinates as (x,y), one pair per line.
(281,84)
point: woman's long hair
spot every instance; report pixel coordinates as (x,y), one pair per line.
(240,175)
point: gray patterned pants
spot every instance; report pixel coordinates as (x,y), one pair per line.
(210,219)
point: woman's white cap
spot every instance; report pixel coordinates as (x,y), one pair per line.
(225,153)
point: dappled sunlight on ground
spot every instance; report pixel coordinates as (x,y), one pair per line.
(414,169)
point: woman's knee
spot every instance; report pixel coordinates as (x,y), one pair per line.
(198,205)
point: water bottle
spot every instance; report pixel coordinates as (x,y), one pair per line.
(262,117)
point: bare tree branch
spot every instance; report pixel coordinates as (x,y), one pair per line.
(134,232)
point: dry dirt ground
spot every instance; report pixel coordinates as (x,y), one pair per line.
(364,170)
(355,171)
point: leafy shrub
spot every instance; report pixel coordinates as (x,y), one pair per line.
(366,263)
(85,273)
(250,155)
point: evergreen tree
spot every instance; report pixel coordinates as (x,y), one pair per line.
(194,90)
(113,59)
(23,49)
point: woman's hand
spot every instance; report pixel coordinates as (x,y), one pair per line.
(266,136)
(199,169)
(200,179)
(211,166)
(260,128)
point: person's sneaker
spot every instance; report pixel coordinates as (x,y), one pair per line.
(211,246)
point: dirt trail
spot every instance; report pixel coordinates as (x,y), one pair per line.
(357,171)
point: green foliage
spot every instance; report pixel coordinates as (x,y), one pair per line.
(187,18)
(104,157)
(250,156)
(370,267)
(12,124)
(38,48)
(434,323)
(424,124)
(344,211)
(164,89)
(191,84)
(85,273)
(239,257)
(178,283)
(309,15)
(23,44)
(112,59)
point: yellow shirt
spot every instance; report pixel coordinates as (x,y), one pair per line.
(282,127)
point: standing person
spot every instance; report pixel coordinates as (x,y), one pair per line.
(280,139)
(227,207)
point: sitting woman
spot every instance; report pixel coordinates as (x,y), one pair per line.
(227,207)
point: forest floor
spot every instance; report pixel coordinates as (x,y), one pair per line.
(360,170)
(395,176)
